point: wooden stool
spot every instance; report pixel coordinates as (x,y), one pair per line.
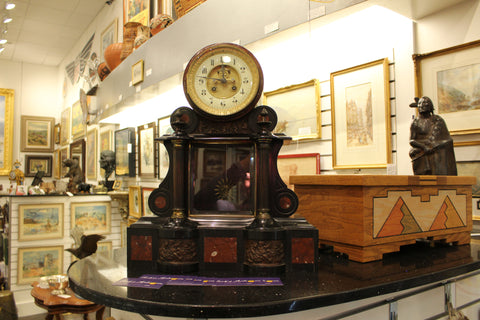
(57,305)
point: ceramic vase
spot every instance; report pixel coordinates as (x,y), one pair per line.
(143,34)
(160,22)
(103,71)
(112,55)
(129,35)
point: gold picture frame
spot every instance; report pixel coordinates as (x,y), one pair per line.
(294,164)
(37,134)
(65,127)
(135,201)
(450,77)
(137,73)
(78,125)
(91,154)
(36,262)
(6,110)
(147,150)
(298,109)
(40,221)
(361,116)
(93,217)
(57,165)
(109,36)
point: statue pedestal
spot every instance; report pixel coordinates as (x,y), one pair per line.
(366,216)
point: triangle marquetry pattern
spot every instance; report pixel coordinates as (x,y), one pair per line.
(447,217)
(400,221)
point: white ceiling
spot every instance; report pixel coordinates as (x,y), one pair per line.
(44,31)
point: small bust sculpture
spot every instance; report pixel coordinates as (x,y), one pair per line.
(107,163)
(431,144)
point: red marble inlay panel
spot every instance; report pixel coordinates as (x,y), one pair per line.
(303,250)
(141,248)
(220,250)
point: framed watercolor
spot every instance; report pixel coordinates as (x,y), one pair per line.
(135,201)
(361,116)
(451,78)
(125,152)
(64,155)
(109,35)
(293,164)
(56,133)
(34,163)
(298,110)
(93,217)
(37,134)
(78,125)
(91,157)
(57,165)
(65,127)
(470,168)
(137,11)
(137,73)
(147,150)
(36,262)
(117,185)
(145,194)
(40,221)
(164,128)
(77,152)
(6,135)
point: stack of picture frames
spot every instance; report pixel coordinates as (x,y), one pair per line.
(44,223)
(37,136)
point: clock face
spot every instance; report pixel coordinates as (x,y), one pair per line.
(223,80)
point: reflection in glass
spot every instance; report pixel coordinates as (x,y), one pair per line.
(222,178)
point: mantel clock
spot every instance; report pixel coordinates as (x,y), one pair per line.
(222,202)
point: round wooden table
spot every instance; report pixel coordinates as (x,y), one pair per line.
(57,305)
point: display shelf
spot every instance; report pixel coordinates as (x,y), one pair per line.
(338,280)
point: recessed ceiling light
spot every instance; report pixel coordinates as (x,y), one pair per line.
(3,41)
(2,48)
(9,5)
(7,19)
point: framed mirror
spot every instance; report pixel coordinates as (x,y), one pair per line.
(222,179)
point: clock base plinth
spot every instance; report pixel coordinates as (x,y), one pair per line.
(222,247)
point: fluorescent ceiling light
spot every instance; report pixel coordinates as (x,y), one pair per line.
(2,48)
(7,19)
(3,41)
(9,5)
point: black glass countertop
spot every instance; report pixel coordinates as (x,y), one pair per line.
(338,280)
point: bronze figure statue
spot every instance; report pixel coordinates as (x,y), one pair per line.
(107,163)
(431,144)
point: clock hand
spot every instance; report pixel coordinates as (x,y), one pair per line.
(218,79)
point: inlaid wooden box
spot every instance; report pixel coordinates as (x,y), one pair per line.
(366,216)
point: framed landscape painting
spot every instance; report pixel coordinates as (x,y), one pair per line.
(40,221)
(37,134)
(147,150)
(361,116)
(36,262)
(78,125)
(93,217)
(293,164)
(451,79)
(33,164)
(6,134)
(137,11)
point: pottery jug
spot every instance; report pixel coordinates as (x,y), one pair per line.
(143,34)
(112,55)
(129,35)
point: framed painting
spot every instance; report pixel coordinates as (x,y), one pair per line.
(147,150)
(37,134)
(137,73)
(33,164)
(470,168)
(214,162)
(135,201)
(125,152)
(36,262)
(64,155)
(57,166)
(91,154)
(93,217)
(78,125)
(77,152)
(40,221)
(164,128)
(361,116)
(137,11)
(293,164)
(65,127)
(104,248)
(6,134)
(109,35)
(56,133)
(145,194)
(298,110)
(451,79)
(105,143)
